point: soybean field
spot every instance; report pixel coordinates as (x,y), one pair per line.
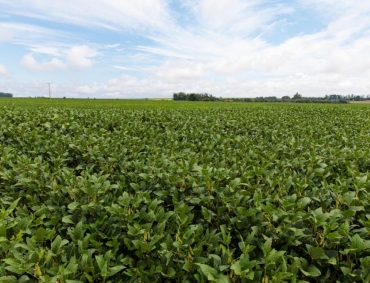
(165,191)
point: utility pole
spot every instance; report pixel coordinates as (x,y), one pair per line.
(49,91)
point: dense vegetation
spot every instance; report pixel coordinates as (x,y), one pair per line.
(194,97)
(297,98)
(265,193)
(5,94)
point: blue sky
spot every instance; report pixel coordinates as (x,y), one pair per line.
(153,48)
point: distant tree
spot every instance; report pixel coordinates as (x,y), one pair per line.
(297,96)
(5,94)
(180,96)
(260,99)
(335,97)
(271,98)
(285,97)
(193,97)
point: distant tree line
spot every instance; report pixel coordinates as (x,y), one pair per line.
(5,94)
(350,97)
(296,98)
(194,96)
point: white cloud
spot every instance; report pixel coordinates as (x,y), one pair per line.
(79,57)
(33,35)
(179,71)
(124,68)
(111,14)
(335,8)
(237,16)
(47,50)
(5,34)
(3,71)
(31,64)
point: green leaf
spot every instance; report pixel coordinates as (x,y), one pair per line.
(235,183)
(67,219)
(115,269)
(73,205)
(345,270)
(3,240)
(316,252)
(221,278)
(361,180)
(78,232)
(15,269)
(311,271)
(273,256)
(11,207)
(33,257)
(57,244)
(102,263)
(357,243)
(332,261)
(303,202)
(40,234)
(226,238)
(334,235)
(170,273)
(8,279)
(208,271)
(125,199)
(365,262)
(266,247)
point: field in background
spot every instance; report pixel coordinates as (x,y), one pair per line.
(164,99)
(141,103)
(109,103)
(166,191)
(360,102)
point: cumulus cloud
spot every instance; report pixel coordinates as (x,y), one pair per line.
(3,71)
(77,57)
(31,64)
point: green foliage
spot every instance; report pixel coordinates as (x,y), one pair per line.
(5,94)
(194,96)
(297,96)
(202,194)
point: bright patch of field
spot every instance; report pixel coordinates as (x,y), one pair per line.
(163,99)
(166,191)
(360,102)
